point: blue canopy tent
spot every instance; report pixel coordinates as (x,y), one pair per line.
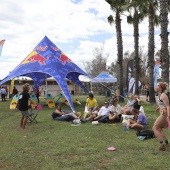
(104,77)
(47,60)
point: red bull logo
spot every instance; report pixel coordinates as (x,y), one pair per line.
(55,48)
(63,58)
(39,48)
(33,57)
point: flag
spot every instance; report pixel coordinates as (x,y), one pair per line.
(156,72)
(130,79)
(1,45)
(12,86)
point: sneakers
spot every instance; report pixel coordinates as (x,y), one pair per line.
(167,145)
(162,147)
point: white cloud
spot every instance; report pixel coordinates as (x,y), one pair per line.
(66,22)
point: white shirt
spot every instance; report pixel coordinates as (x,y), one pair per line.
(116,109)
(104,111)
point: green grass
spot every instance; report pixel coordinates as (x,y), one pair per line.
(54,145)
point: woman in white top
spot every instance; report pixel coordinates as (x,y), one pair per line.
(115,112)
(164,116)
(129,106)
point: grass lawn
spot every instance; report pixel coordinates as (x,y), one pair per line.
(54,145)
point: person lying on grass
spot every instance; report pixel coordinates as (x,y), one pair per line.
(63,115)
(139,122)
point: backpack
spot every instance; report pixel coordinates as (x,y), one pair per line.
(145,134)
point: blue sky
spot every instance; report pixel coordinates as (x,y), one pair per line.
(75,26)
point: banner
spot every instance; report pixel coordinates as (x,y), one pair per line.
(1,45)
(130,79)
(156,72)
(12,86)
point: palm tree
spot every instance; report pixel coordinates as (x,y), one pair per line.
(164,54)
(137,12)
(152,6)
(118,6)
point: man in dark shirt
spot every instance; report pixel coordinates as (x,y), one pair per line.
(22,105)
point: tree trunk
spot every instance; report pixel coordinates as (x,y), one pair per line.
(164,55)
(120,55)
(136,48)
(151,51)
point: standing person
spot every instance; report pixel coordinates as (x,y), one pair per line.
(37,94)
(162,120)
(147,91)
(45,91)
(3,94)
(6,88)
(22,105)
(15,91)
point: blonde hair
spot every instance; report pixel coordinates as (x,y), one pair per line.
(164,86)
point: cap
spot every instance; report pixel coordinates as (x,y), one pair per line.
(106,102)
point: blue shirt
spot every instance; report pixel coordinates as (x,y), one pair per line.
(142,119)
(3,91)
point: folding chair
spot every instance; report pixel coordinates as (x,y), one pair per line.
(32,116)
(50,101)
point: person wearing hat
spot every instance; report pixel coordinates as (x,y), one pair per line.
(113,97)
(22,105)
(103,114)
(164,115)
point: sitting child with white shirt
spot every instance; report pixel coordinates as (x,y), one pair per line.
(103,114)
(115,112)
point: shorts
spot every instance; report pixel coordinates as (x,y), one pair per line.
(25,113)
(91,108)
(161,121)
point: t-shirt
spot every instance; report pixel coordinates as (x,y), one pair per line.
(136,105)
(142,119)
(23,101)
(91,102)
(130,102)
(3,91)
(104,111)
(116,109)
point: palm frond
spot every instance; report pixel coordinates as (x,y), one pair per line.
(110,19)
(130,19)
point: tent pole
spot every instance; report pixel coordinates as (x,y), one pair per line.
(46,85)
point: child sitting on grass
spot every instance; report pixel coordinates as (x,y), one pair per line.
(139,122)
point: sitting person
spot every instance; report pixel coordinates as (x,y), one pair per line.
(139,122)
(63,115)
(115,112)
(113,97)
(129,106)
(91,105)
(103,114)
(137,103)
